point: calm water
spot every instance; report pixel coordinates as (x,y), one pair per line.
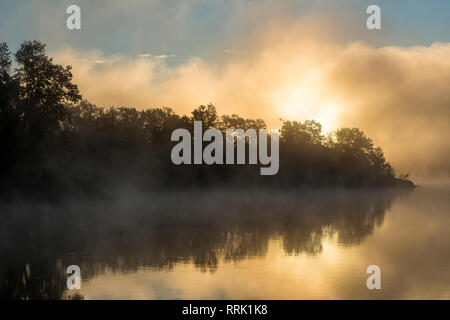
(231,245)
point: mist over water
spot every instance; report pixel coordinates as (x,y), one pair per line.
(226,244)
(93,178)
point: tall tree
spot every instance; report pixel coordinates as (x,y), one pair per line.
(45,89)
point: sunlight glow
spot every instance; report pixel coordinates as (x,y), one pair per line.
(306,103)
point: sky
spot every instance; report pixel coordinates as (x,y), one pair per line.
(204,28)
(291,59)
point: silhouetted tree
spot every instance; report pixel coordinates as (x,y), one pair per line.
(45,89)
(53,142)
(236,122)
(309,131)
(10,126)
(208,115)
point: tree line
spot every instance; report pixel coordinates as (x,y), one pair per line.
(53,142)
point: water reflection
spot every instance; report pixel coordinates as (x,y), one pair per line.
(39,240)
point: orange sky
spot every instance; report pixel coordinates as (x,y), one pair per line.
(398,95)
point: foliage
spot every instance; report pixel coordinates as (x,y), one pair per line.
(54,142)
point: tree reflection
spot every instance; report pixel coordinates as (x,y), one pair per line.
(39,240)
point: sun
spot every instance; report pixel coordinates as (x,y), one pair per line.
(306,103)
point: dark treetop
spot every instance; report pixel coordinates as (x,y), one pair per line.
(54,143)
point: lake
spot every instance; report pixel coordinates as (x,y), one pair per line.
(220,244)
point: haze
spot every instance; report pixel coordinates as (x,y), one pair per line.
(297,60)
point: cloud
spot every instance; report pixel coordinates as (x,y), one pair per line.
(398,95)
(161,56)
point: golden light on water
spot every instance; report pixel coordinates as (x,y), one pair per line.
(285,276)
(333,269)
